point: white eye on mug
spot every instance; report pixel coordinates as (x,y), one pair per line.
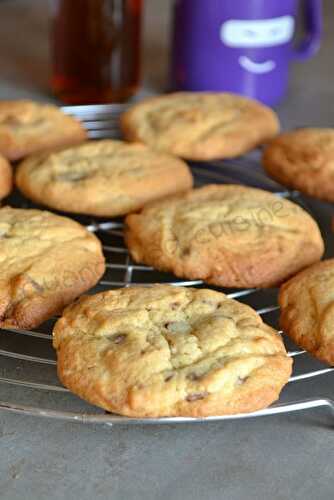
(250,33)
(260,33)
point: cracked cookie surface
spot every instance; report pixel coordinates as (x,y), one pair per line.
(200,126)
(28,127)
(46,261)
(226,235)
(303,159)
(169,351)
(6,177)
(105,178)
(307,310)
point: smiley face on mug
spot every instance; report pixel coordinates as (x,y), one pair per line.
(257,34)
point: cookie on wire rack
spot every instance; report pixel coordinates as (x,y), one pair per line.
(307,310)
(6,177)
(46,262)
(169,351)
(200,125)
(27,127)
(226,235)
(303,159)
(103,178)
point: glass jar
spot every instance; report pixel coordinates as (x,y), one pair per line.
(95,48)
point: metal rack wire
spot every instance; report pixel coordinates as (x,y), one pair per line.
(28,380)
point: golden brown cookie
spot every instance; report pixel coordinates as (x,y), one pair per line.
(303,159)
(200,126)
(28,127)
(106,178)
(6,177)
(307,310)
(227,235)
(46,262)
(169,351)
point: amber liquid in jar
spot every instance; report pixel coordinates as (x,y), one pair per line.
(95,50)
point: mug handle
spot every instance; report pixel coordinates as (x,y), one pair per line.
(314,25)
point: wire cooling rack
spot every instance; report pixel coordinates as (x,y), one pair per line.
(28,379)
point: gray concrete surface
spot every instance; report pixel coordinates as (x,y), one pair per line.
(281,457)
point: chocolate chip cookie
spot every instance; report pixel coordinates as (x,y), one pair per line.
(307,310)
(226,235)
(28,127)
(303,159)
(169,351)
(104,178)
(200,126)
(46,262)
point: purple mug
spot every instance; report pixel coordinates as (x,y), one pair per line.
(242,46)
